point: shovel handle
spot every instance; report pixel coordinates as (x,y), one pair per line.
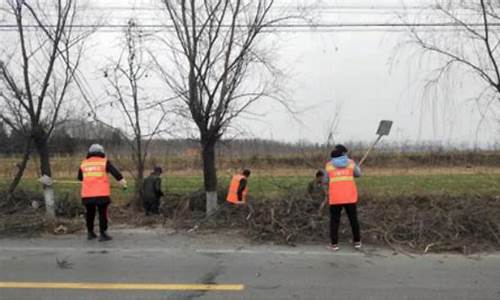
(369,150)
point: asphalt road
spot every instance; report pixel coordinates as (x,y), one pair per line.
(205,264)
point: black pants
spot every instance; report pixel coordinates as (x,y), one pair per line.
(102,208)
(352,214)
(152,206)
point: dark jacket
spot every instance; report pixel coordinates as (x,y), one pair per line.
(241,188)
(152,188)
(317,189)
(109,169)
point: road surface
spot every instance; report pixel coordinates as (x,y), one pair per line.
(151,264)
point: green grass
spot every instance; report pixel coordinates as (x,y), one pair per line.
(421,184)
(394,185)
(272,185)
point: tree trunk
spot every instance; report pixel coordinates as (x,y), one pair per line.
(20,170)
(43,152)
(139,163)
(139,192)
(209,176)
(41,144)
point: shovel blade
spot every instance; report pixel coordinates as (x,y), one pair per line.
(384,127)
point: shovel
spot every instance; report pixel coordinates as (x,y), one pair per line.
(384,128)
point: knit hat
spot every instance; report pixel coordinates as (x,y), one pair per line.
(96,148)
(339,150)
(157,170)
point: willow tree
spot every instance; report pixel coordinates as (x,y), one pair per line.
(220,67)
(463,43)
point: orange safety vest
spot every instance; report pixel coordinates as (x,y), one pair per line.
(232,194)
(342,188)
(95,178)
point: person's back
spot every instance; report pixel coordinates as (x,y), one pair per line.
(150,187)
(96,189)
(342,194)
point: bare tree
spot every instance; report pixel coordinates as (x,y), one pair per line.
(218,68)
(21,167)
(464,42)
(144,115)
(331,127)
(36,75)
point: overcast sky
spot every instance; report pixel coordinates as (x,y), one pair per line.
(351,71)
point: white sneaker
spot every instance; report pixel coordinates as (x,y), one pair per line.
(332,247)
(357,245)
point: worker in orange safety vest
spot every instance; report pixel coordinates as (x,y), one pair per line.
(342,193)
(238,188)
(96,190)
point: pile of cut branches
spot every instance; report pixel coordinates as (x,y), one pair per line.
(422,223)
(439,222)
(17,214)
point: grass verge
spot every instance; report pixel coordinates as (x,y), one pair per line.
(265,186)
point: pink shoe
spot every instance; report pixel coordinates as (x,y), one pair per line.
(332,247)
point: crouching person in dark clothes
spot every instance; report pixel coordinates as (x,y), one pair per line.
(152,192)
(96,190)
(316,189)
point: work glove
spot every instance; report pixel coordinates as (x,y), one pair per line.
(123,183)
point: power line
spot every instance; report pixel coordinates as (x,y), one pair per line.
(333,30)
(317,7)
(271,26)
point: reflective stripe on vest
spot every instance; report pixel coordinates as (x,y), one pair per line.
(342,178)
(95,178)
(342,188)
(232,194)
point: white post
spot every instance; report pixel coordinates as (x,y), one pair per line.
(48,195)
(211,205)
